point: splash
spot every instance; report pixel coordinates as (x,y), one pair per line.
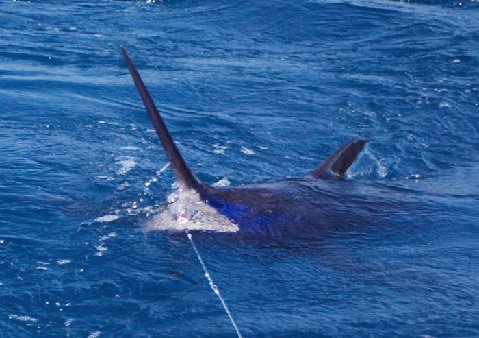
(224,182)
(187,212)
(377,165)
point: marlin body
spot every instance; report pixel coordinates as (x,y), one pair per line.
(310,201)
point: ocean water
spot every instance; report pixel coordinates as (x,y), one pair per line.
(252,92)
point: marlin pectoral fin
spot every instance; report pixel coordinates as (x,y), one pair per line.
(337,164)
(181,171)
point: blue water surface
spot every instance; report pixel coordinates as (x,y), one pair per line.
(252,92)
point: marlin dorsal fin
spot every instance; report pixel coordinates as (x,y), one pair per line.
(181,171)
(339,161)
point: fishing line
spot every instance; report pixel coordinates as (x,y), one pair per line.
(213,285)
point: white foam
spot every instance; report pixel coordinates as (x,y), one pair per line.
(63,261)
(23,318)
(224,182)
(129,148)
(414,177)
(166,166)
(123,186)
(444,104)
(247,151)
(107,218)
(42,266)
(382,169)
(110,235)
(94,334)
(101,248)
(219,149)
(104,177)
(126,163)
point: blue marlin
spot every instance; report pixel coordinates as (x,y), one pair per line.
(315,201)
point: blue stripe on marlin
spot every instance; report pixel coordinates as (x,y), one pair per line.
(256,207)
